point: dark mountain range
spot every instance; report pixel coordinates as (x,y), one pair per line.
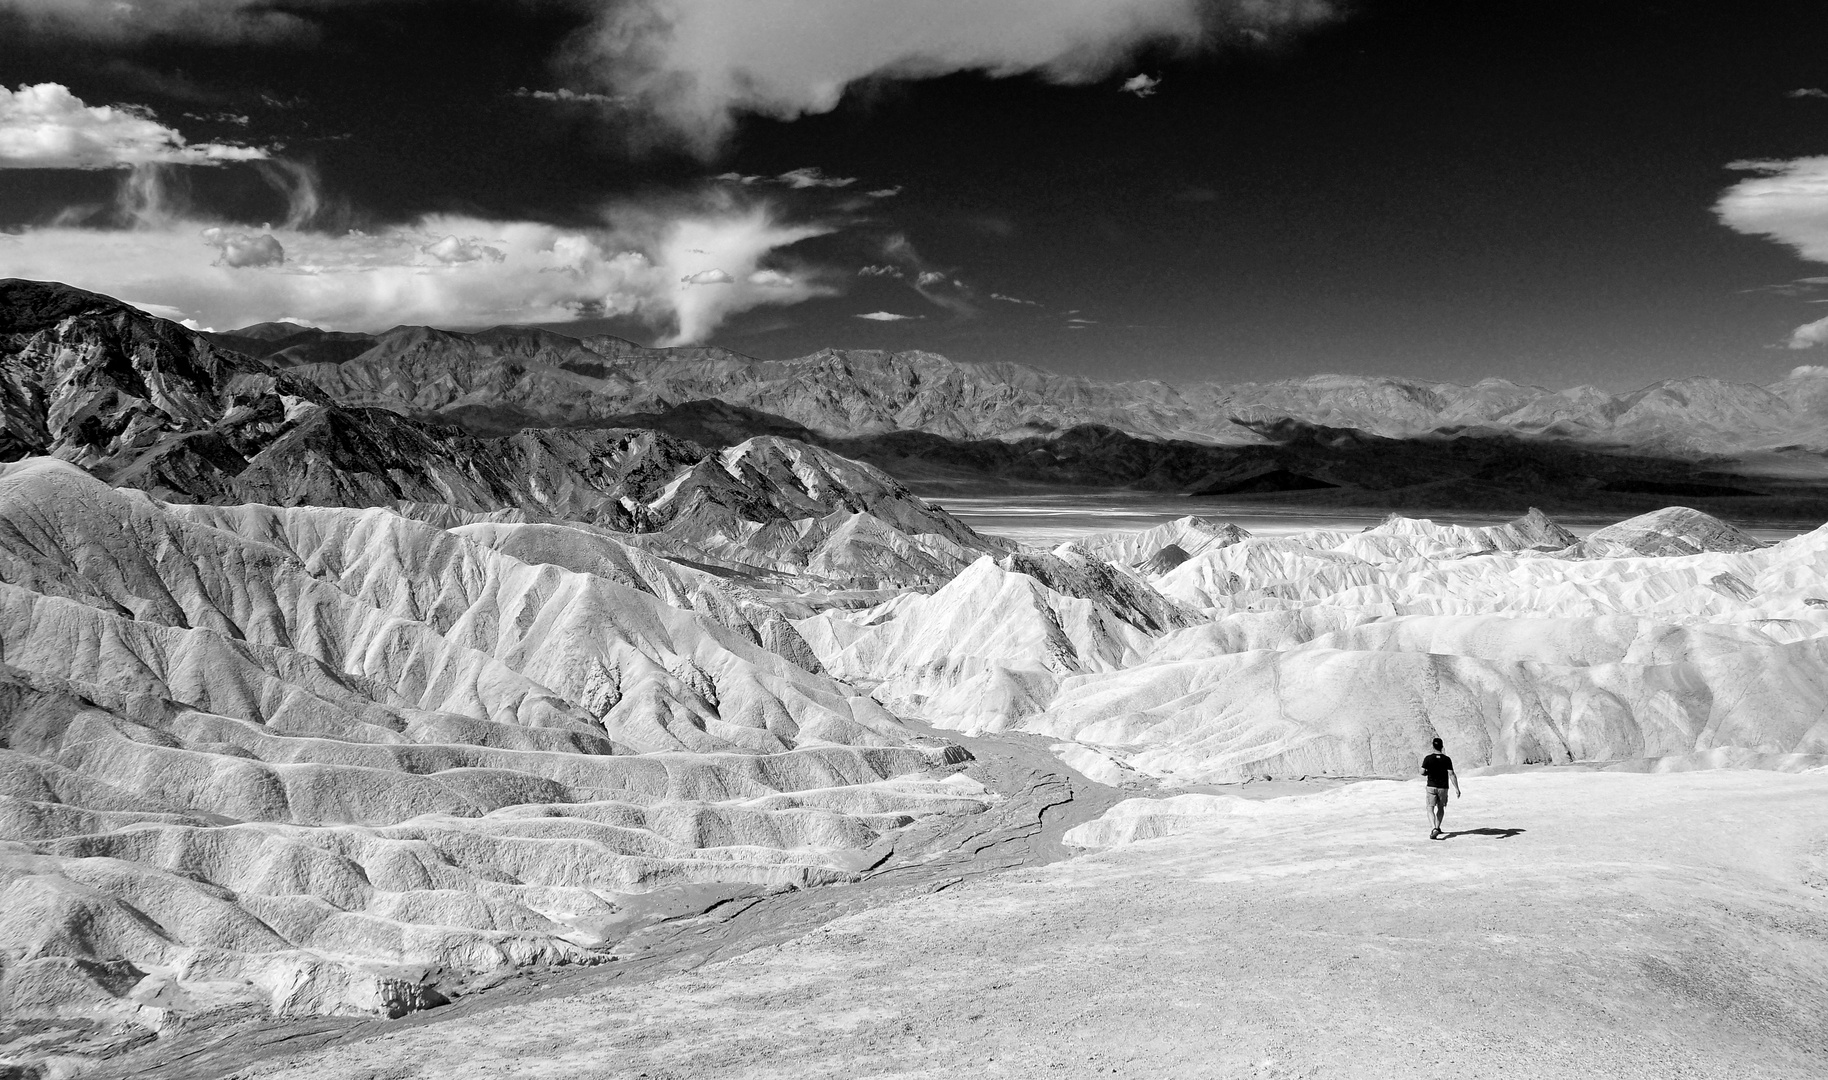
(512,377)
(536,421)
(1293,462)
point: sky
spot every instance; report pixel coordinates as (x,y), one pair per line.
(1547,191)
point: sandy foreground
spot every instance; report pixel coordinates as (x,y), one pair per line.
(1576,924)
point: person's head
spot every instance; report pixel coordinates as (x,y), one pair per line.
(1437,744)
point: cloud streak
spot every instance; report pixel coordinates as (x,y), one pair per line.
(47,127)
(697,64)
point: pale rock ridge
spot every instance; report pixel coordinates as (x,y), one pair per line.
(1673,530)
(1190,535)
(782,506)
(1340,653)
(309,757)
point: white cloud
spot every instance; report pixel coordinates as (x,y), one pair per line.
(1014,300)
(1788,204)
(1808,336)
(713,276)
(241,250)
(453,249)
(697,63)
(1141,85)
(884,193)
(929,278)
(47,127)
(879,271)
(889,316)
(1808,92)
(632,265)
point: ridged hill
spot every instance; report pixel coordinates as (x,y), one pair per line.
(142,402)
(338,760)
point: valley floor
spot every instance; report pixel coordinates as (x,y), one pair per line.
(1576,924)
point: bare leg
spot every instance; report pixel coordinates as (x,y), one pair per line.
(1439,813)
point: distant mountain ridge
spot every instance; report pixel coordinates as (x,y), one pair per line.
(510,377)
(593,430)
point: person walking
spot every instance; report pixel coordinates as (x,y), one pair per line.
(1437,770)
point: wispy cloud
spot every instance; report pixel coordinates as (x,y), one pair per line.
(938,287)
(809,176)
(884,193)
(47,127)
(714,276)
(879,270)
(696,64)
(1014,300)
(888,316)
(1140,84)
(238,119)
(1808,92)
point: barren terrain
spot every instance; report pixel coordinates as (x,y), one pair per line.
(1574,924)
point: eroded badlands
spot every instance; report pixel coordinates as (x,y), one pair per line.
(263,764)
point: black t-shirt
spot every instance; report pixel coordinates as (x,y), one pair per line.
(1436,767)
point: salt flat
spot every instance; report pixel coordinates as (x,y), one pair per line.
(1047,519)
(1576,924)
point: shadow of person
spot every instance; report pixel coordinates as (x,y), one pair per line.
(1501,834)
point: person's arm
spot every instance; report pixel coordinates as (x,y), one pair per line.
(1455,777)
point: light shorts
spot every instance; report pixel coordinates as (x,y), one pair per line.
(1435,796)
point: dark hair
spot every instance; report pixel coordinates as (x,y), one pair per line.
(1437,744)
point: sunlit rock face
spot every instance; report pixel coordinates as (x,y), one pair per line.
(1341,653)
(309,757)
